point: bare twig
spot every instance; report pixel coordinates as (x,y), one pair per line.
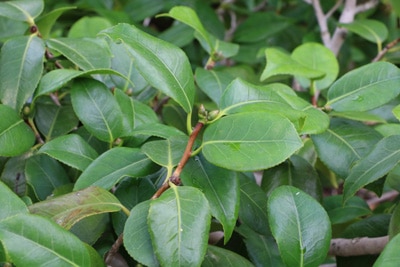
(334,8)
(114,249)
(386,49)
(366,6)
(388,196)
(322,22)
(357,246)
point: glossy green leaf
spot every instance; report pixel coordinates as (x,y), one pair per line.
(220,187)
(55,245)
(382,158)
(296,172)
(71,150)
(253,206)
(137,240)
(339,213)
(390,255)
(21,67)
(97,108)
(158,130)
(292,213)
(365,88)
(128,112)
(219,49)
(174,75)
(217,256)
(250,141)
(280,63)
(13,174)
(69,209)
(25,10)
(15,136)
(166,152)
(56,79)
(344,143)
(45,23)
(112,166)
(11,203)
(262,249)
(179,222)
(88,27)
(372,30)
(86,53)
(317,56)
(358,116)
(44,174)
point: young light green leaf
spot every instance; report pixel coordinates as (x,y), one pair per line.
(217,256)
(88,27)
(71,150)
(317,56)
(11,203)
(179,222)
(365,88)
(55,245)
(45,23)
(280,63)
(15,136)
(221,188)
(250,141)
(137,240)
(86,53)
(174,75)
(69,209)
(390,255)
(372,30)
(44,174)
(112,166)
(21,67)
(396,112)
(292,213)
(382,158)
(25,10)
(97,108)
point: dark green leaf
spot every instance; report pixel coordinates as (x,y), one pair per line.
(13,174)
(158,130)
(70,149)
(21,67)
(216,257)
(174,75)
(68,209)
(365,88)
(250,141)
(390,255)
(11,203)
(339,213)
(25,10)
(292,213)
(112,166)
(15,136)
(97,108)
(382,158)
(394,227)
(221,188)
(179,223)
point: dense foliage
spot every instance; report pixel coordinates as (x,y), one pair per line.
(199,132)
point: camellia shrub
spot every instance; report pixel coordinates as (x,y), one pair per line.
(199,133)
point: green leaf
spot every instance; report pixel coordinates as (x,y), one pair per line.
(292,213)
(166,152)
(21,67)
(394,226)
(88,27)
(390,255)
(69,209)
(396,112)
(97,108)
(11,203)
(253,206)
(44,174)
(280,63)
(358,116)
(338,213)
(365,88)
(382,158)
(317,56)
(45,23)
(179,222)
(372,30)
(220,187)
(70,149)
(112,166)
(127,106)
(13,174)
(250,141)
(158,130)
(351,140)
(55,245)
(174,75)
(216,257)
(137,240)
(178,34)
(15,136)
(86,53)
(25,10)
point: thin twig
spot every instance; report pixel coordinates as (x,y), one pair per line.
(388,196)
(322,22)
(114,249)
(334,8)
(357,246)
(366,6)
(386,49)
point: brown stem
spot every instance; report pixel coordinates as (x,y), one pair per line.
(388,196)
(114,249)
(357,246)
(386,49)
(175,177)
